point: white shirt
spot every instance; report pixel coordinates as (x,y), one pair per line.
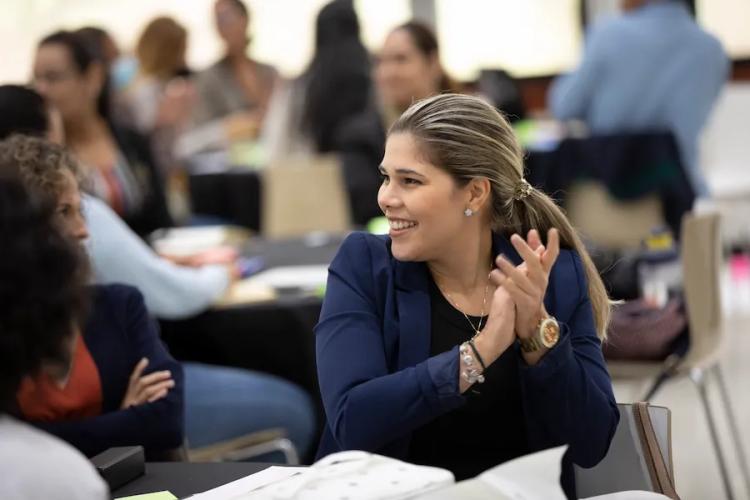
(35,464)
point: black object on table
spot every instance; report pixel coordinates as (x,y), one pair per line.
(233,196)
(120,465)
(183,479)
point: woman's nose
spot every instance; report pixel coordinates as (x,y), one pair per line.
(388,197)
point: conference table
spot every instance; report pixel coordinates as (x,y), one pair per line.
(184,479)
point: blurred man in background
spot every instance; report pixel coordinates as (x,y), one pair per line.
(651,69)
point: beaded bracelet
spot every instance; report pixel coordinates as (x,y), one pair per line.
(476,353)
(471,375)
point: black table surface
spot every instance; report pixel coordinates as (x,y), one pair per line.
(184,479)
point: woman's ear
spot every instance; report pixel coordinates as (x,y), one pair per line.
(479,191)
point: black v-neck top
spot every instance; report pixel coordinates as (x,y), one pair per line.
(489,428)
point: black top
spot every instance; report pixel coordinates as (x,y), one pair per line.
(489,428)
(153,213)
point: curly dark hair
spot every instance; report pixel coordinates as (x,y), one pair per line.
(42,288)
(39,163)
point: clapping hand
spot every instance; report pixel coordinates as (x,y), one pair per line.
(527,283)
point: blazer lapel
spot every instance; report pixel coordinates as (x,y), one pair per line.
(413,300)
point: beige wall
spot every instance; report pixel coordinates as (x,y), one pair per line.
(529,37)
(730,21)
(283,29)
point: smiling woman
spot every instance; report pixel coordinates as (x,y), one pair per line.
(466,336)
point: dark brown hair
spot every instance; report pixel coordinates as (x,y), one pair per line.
(42,287)
(426,42)
(84,54)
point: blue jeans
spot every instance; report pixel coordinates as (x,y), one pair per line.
(223,403)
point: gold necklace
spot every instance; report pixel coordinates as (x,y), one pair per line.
(477,329)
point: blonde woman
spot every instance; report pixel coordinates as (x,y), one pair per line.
(461,339)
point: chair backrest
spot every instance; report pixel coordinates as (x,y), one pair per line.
(624,467)
(301,195)
(701,268)
(609,222)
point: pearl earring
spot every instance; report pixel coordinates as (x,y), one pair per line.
(468,212)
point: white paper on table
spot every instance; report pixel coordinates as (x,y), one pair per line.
(190,240)
(531,477)
(306,277)
(630,495)
(246,292)
(241,487)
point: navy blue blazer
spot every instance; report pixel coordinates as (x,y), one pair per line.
(379,383)
(118,333)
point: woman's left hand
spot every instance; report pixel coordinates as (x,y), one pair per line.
(527,283)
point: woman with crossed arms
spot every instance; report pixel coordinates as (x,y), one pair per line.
(454,341)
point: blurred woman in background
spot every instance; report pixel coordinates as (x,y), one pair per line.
(160,98)
(160,101)
(117,254)
(236,85)
(409,69)
(117,161)
(317,112)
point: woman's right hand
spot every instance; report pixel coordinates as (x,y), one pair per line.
(146,388)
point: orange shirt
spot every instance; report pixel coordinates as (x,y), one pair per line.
(41,399)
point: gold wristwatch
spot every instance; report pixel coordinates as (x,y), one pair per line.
(547,335)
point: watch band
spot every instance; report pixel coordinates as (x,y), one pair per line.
(531,344)
(537,341)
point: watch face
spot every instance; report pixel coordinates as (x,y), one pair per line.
(550,333)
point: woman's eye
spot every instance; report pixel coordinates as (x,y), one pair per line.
(409,180)
(384,178)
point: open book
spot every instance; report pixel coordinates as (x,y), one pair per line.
(356,475)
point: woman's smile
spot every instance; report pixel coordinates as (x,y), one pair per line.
(400,227)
